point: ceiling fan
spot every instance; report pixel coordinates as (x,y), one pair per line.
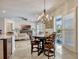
(19,17)
(23,18)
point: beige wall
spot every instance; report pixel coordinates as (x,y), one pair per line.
(69,6)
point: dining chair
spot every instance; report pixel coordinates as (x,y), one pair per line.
(34,44)
(49,46)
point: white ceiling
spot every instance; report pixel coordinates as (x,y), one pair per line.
(25,8)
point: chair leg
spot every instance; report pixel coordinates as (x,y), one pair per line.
(31,49)
(54,52)
(48,53)
(44,51)
(38,49)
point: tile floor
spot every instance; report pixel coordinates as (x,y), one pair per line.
(23,51)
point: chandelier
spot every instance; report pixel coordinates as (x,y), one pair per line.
(44,16)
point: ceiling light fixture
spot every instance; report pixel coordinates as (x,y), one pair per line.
(44,16)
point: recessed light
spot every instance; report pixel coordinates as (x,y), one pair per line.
(4,11)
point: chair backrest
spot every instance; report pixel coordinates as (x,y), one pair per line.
(50,42)
(52,37)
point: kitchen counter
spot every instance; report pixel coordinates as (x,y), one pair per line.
(6,47)
(5,37)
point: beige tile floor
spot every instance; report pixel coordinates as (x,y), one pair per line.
(23,51)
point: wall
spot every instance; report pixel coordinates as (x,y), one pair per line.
(65,8)
(2,24)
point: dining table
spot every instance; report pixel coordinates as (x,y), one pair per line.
(41,43)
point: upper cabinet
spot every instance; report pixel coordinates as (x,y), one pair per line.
(6,25)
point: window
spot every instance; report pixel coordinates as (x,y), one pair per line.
(40,29)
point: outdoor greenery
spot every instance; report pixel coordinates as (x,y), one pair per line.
(59,30)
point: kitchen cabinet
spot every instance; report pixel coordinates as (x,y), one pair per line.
(1,49)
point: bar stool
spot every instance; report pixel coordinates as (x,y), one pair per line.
(49,46)
(34,44)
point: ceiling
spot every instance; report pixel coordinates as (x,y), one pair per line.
(29,9)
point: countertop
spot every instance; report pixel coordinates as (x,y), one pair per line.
(5,37)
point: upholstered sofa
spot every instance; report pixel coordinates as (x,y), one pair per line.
(22,36)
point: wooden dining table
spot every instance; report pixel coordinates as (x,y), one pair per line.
(41,44)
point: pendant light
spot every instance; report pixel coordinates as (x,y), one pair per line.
(44,16)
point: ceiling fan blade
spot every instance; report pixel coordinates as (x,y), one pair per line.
(23,18)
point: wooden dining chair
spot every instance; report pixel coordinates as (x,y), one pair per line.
(49,46)
(34,44)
